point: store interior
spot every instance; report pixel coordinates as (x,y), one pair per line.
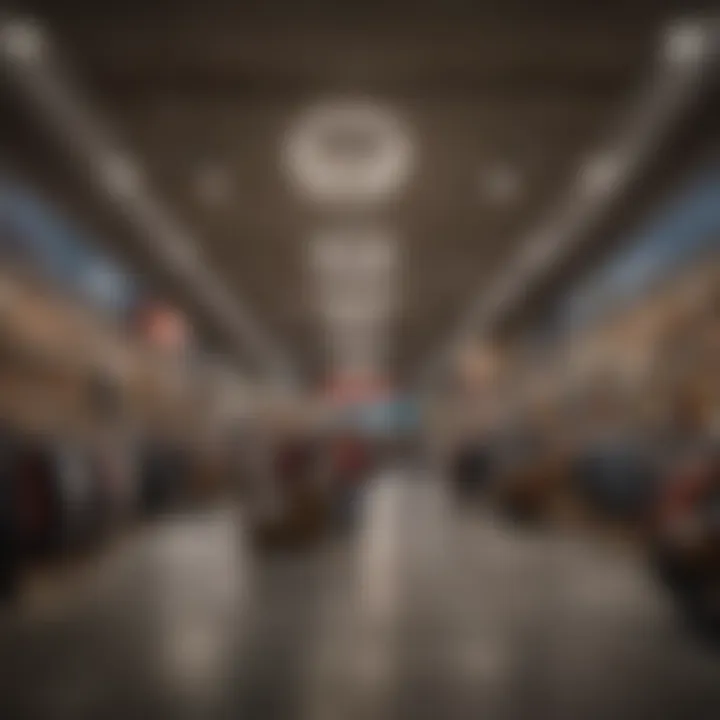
(359,360)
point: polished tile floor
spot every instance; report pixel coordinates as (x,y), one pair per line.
(430,611)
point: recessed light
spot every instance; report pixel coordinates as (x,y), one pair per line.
(213,184)
(501,184)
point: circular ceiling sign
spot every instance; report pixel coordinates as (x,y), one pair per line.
(349,152)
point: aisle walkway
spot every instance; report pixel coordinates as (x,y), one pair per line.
(429,613)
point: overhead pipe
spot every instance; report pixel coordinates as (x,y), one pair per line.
(687,67)
(32,68)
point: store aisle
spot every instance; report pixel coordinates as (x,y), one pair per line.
(430,612)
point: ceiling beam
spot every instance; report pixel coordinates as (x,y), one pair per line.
(32,69)
(686,69)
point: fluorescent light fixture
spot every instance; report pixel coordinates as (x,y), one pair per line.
(600,174)
(82,136)
(366,251)
(22,41)
(121,176)
(355,311)
(331,287)
(686,42)
(353,274)
(354,349)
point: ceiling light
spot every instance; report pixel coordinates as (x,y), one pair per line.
(354,312)
(356,250)
(350,347)
(348,152)
(686,42)
(121,177)
(601,174)
(213,184)
(356,302)
(541,250)
(501,184)
(22,41)
(343,296)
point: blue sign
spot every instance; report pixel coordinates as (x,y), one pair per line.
(683,231)
(32,230)
(384,417)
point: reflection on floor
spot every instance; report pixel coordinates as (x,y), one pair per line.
(427,613)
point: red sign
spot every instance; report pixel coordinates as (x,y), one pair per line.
(356,388)
(164,327)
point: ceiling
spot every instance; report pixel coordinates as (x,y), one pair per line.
(212,87)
